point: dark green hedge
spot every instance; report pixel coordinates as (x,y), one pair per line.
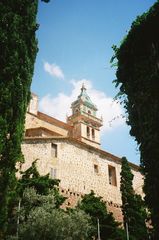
(138,78)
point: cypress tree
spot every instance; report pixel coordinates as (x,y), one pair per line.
(18,52)
(134,213)
(96,208)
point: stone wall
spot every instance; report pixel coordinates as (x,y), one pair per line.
(40,151)
(76,171)
(80,170)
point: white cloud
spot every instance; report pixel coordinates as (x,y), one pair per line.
(59,106)
(54,70)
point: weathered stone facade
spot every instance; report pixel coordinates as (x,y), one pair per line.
(80,166)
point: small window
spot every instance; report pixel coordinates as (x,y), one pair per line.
(96,169)
(53,150)
(112,175)
(53,173)
(93,134)
(88,132)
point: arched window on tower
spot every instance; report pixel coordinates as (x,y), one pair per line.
(88,132)
(89,112)
(76,110)
(93,134)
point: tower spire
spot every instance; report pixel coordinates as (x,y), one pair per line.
(83,87)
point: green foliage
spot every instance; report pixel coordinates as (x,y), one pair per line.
(44,221)
(18,52)
(42,185)
(19,48)
(134,212)
(138,78)
(96,208)
(126,188)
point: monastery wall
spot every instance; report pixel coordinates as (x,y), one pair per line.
(40,151)
(83,170)
(80,169)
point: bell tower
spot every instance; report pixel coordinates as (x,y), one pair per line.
(86,126)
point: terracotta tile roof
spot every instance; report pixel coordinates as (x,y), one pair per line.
(52,120)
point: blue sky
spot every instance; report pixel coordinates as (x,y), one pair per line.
(75,39)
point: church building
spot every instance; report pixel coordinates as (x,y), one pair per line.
(72,152)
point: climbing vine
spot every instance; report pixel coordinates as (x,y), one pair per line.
(138,79)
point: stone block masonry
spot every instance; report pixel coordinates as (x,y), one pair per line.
(80,168)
